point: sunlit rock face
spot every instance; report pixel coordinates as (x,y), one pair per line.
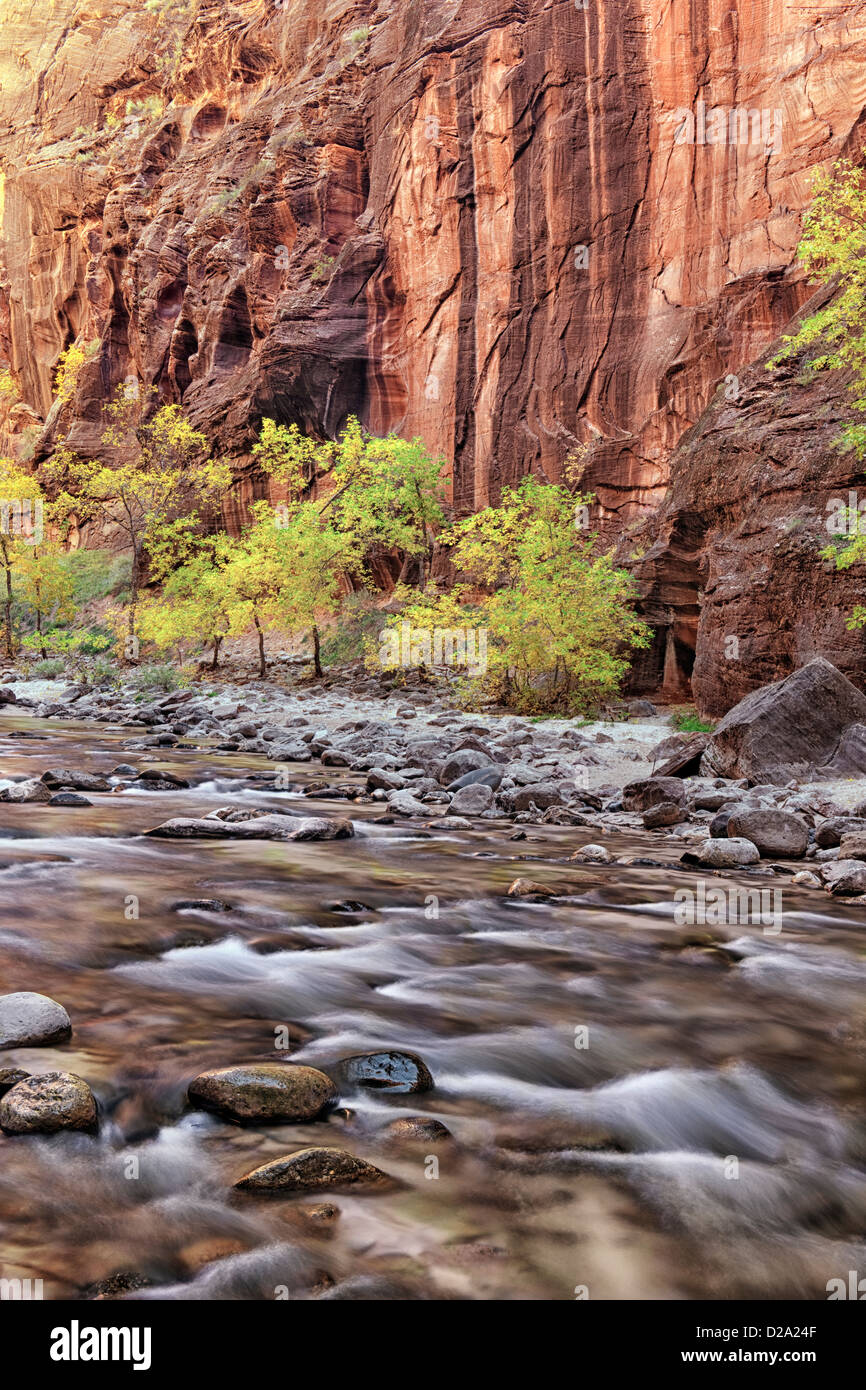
(513,230)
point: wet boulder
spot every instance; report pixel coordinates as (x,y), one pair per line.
(201,905)
(420,1129)
(46,1104)
(592,854)
(264,827)
(10,1076)
(723,854)
(650,791)
(777,834)
(264,1093)
(311,1170)
(75,780)
(64,798)
(32,1020)
(390,1070)
(529,888)
(786,729)
(33,789)
(157,779)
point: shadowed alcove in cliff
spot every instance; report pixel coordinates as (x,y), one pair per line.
(669,581)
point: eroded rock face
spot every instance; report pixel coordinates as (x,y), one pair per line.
(502,230)
(732,576)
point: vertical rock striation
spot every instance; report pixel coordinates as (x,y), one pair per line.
(516,228)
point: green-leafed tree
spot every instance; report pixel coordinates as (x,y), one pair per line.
(384,495)
(154,495)
(558,620)
(21,530)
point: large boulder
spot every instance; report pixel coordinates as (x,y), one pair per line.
(32,1020)
(267,827)
(853,845)
(31,790)
(73,777)
(45,1104)
(844,877)
(540,794)
(786,729)
(461,762)
(651,791)
(681,755)
(777,834)
(829,833)
(264,1092)
(723,854)
(401,1072)
(472,800)
(849,760)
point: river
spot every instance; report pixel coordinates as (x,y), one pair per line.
(639,1109)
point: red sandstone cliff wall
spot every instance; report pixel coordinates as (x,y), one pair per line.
(487,223)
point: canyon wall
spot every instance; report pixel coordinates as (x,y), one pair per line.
(516,228)
(733,567)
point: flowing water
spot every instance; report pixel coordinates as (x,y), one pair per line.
(639,1109)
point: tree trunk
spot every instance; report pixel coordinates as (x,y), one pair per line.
(317,652)
(39,633)
(263,670)
(217,643)
(131,644)
(7,612)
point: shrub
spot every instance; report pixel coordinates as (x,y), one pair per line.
(690,722)
(156,678)
(48,669)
